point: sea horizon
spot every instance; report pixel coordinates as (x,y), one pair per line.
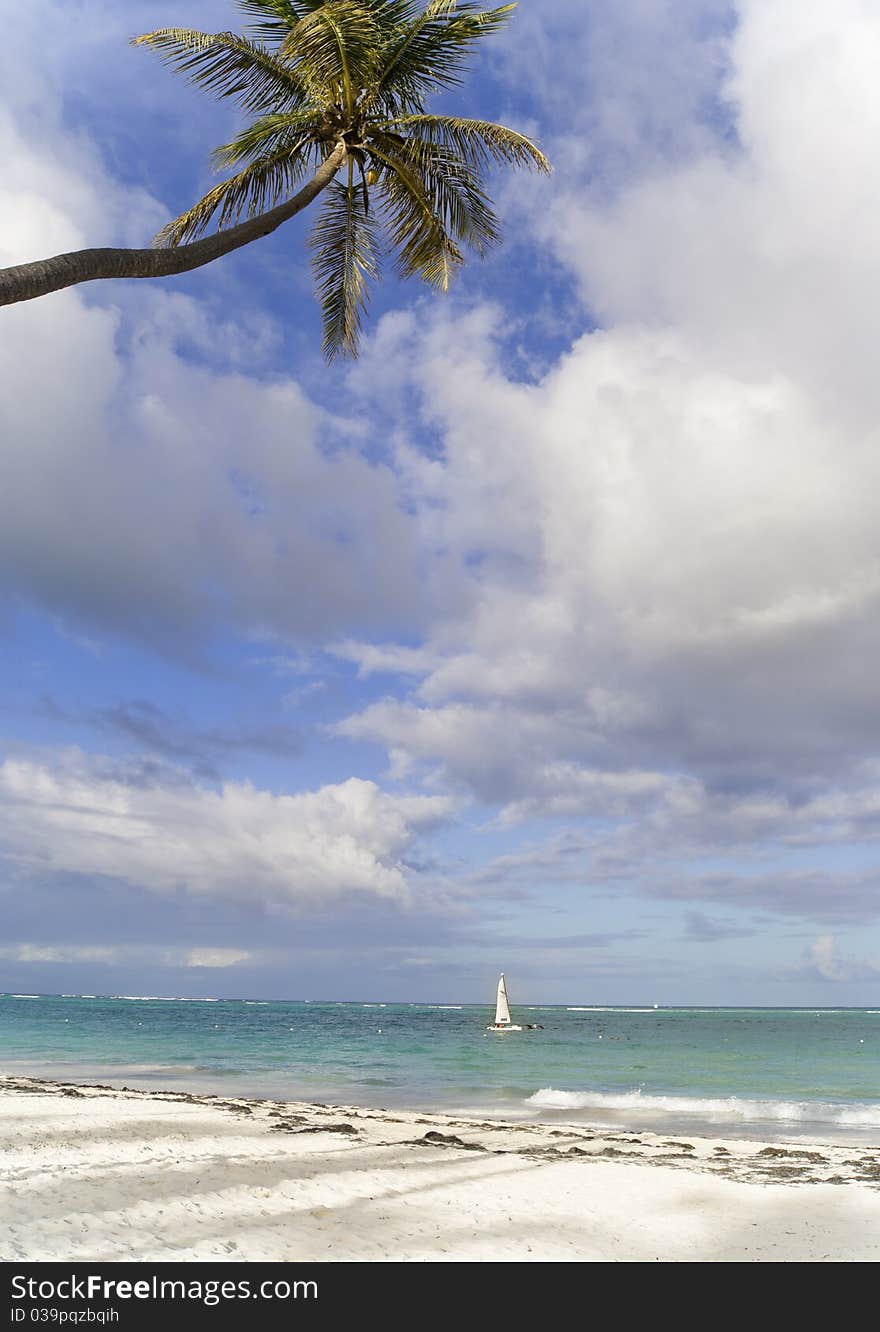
(632,1005)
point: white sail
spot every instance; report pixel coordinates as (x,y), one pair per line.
(502,1007)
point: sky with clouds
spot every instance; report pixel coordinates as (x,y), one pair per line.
(543,637)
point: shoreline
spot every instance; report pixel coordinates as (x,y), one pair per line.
(639,1117)
(94,1172)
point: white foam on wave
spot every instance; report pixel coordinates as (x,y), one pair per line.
(596,1008)
(724,1110)
(25,996)
(157,999)
(258,1003)
(445,1006)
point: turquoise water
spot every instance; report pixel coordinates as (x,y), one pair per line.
(746,1072)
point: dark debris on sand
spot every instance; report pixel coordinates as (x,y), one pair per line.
(435,1139)
(297,1124)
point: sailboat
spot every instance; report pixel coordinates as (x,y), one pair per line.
(502,1011)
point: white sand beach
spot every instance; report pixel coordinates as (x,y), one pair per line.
(97,1174)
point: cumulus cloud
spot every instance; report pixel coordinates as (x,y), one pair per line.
(89,817)
(760,256)
(824,961)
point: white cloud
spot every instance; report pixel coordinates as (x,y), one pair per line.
(823,960)
(216,957)
(88,816)
(115,955)
(762,257)
(156,497)
(822,954)
(384,658)
(64,953)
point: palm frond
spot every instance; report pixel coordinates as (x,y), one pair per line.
(428,53)
(345,252)
(228,65)
(273,19)
(258,187)
(418,232)
(456,195)
(481,143)
(334,46)
(268,135)
(453,190)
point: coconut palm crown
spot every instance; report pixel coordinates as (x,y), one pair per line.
(349,80)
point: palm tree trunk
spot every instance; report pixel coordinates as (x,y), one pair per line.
(24,282)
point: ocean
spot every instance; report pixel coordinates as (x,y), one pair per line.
(740,1072)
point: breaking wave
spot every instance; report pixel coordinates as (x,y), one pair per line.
(726,1112)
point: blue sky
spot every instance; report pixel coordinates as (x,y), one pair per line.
(544,636)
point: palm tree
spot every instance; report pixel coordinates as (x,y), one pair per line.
(338,88)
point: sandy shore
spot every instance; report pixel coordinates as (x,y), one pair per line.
(96,1174)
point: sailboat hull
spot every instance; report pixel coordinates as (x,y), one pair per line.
(503,1026)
